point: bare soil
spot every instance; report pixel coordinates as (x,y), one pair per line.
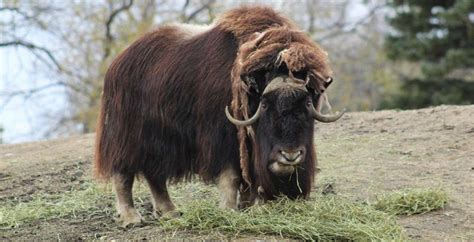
(360,156)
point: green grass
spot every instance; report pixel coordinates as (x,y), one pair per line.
(14,213)
(411,201)
(320,218)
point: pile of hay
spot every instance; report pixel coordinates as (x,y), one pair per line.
(412,201)
(322,218)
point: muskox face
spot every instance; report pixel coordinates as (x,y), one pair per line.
(283,126)
(284,130)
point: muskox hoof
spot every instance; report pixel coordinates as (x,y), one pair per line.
(168,215)
(241,206)
(228,205)
(244,205)
(172,214)
(128,220)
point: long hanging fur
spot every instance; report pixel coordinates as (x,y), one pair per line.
(268,40)
(164,96)
(155,116)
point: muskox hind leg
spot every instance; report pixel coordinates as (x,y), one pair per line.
(228,184)
(162,204)
(123,184)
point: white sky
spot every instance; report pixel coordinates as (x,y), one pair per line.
(21,117)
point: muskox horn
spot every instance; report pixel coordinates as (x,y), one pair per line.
(325,118)
(243,122)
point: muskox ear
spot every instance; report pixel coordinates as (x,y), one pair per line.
(250,82)
(248,79)
(327,82)
(257,80)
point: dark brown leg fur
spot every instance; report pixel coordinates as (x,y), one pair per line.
(162,204)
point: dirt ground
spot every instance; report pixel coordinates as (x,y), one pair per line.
(362,155)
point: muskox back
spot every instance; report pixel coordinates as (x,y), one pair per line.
(162,106)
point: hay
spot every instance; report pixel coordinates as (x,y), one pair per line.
(331,217)
(324,218)
(411,201)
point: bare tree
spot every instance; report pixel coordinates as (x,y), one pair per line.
(83,44)
(354,42)
(73,43)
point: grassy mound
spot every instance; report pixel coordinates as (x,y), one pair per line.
(324,218)
(412,201)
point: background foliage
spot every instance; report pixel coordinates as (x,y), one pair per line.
(385,54)
(439,36)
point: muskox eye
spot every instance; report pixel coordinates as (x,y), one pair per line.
(309,104)
(264,106)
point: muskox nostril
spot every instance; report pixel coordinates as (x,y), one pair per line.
(291,156)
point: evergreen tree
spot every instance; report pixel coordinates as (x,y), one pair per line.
(439,35)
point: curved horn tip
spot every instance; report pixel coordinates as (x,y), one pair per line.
(242,122)
(327,118)
(339,114)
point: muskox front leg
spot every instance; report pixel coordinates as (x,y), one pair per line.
(123,184)
(162,204)
(228,184)
(247,196)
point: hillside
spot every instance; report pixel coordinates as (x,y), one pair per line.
(360,156)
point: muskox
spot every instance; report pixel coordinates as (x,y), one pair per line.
(233,103)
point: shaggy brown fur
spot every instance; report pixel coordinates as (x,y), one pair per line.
(268,40)
(162,106)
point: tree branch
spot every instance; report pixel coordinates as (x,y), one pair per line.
(16,10)
(355,25)
(27,93)
(339,23)
(108,26)
(34,17)
(185,6)
(199,10)
(32,47)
